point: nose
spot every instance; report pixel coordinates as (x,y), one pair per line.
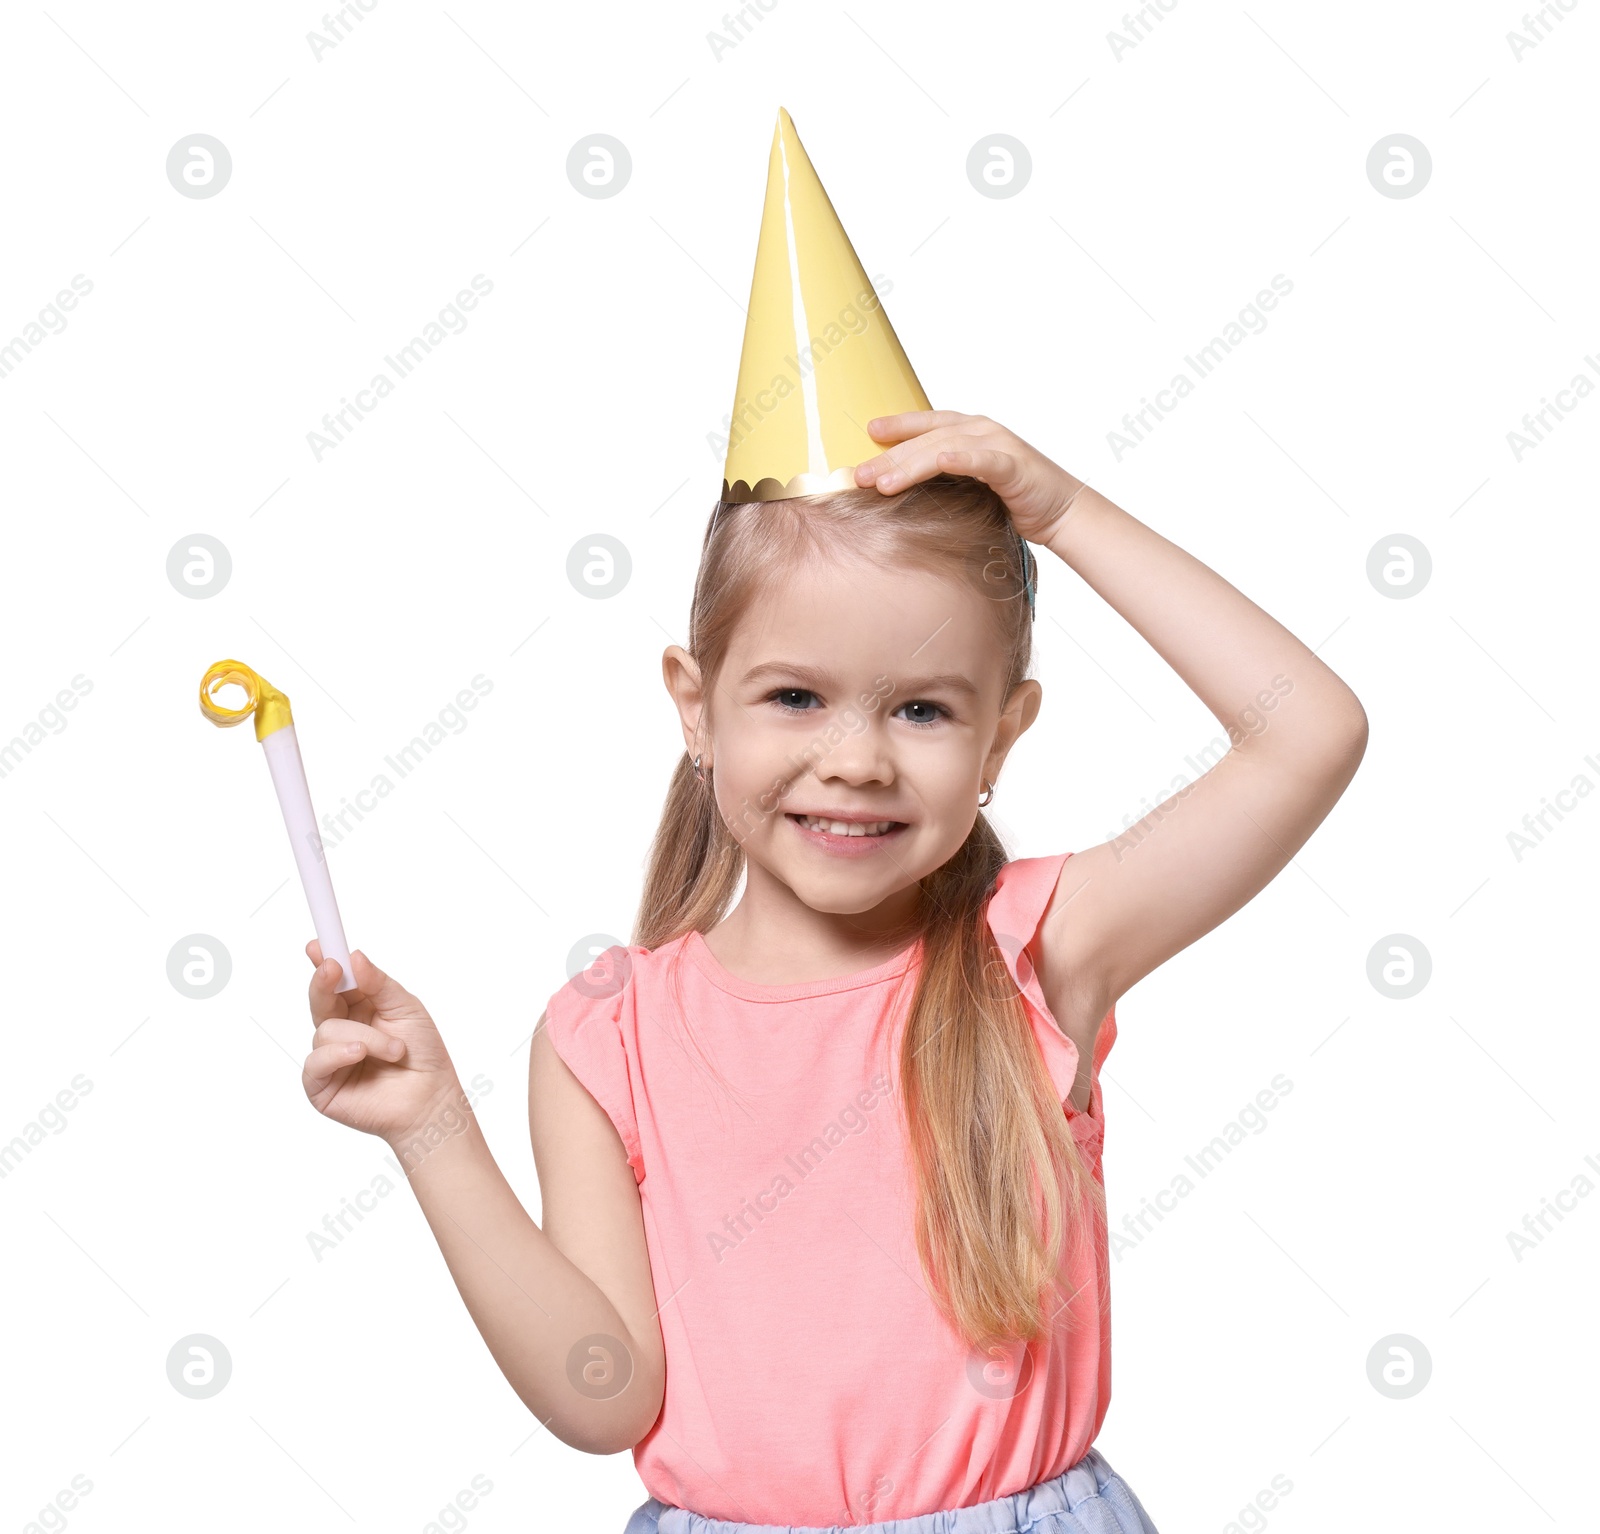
(864,756)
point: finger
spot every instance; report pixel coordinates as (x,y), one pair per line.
(327,1061)
(314,951)
(384,991)
(896,428)
(912,462)
(995,468)
(344,1030)
(325,1001)
(894,458)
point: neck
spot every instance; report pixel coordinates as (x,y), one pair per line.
(773,937)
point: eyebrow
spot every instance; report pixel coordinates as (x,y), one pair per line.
(950,681)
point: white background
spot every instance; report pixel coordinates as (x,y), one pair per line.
(1168,186)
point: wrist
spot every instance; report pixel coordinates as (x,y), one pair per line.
(1084,503)
(447,1117)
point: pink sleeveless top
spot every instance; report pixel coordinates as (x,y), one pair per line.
(810,1380)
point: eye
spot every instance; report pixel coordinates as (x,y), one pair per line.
(779,698)
(781,693)
(939,712)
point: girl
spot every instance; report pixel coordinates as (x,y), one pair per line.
(824,1236)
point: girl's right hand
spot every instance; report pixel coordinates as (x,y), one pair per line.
(377,1062)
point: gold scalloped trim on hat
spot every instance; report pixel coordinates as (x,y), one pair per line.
(802,484)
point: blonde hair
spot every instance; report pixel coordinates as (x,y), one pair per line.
(1000,1182)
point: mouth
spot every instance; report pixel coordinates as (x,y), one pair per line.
(849,837)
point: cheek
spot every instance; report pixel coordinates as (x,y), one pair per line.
(949,765)
(750,777)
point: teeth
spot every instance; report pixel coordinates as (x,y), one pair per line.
(845,827)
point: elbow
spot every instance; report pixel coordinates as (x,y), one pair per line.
(1343,743)
(603,1445)
(1339,728)
(615,1426)
(614,1436)
(1355,728)
(1328,743)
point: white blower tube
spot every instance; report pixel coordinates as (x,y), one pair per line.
(294,797)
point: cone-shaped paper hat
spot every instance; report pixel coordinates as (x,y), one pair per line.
(820,357)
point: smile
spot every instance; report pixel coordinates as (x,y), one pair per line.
(847,838)
(847,827)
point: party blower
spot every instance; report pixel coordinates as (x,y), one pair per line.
(275,731)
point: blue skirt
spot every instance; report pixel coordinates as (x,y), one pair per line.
(1086,1498)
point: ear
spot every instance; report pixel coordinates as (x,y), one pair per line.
(1020,710)
(682,676)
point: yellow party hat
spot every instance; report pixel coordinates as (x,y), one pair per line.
(820,357)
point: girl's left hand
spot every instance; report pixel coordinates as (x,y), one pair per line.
(1037,492)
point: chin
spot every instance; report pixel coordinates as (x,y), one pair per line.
(849,889)
(841,897)
(836,892)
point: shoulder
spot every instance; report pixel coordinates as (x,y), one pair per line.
(601,987)
(612,986)
(1023,895)
(592,1023)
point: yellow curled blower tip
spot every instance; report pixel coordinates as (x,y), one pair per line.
(820,358)
(270,707)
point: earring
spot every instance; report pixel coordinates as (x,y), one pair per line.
(700,776)
(987,795)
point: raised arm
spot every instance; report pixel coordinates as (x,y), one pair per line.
(1298,734)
